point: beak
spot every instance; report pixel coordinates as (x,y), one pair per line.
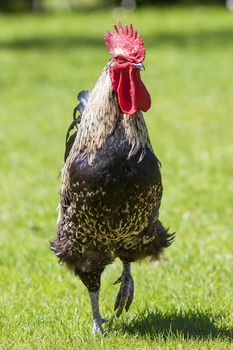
(139,66)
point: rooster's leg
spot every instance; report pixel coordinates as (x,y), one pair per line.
(89,269)
(125,295)
(97,319)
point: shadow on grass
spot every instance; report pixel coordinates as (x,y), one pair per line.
(221,38)
(190,325)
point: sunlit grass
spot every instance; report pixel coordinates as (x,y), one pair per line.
(185,302)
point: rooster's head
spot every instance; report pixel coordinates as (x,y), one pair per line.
(128,53)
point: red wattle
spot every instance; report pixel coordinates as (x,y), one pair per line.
(132,93)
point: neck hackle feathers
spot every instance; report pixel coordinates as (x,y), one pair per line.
(126,42)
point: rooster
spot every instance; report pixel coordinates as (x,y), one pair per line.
(111,185)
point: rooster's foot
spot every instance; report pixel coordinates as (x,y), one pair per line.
(125,295)
(97,326)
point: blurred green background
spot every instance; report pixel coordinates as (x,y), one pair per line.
(184,302)
(39,5)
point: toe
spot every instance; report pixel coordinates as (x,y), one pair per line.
(117,302)
(129,301)
(130,296)
(121,305)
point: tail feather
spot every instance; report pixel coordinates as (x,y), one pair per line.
(83,97)
(170,239)
(62,248)
(162,240)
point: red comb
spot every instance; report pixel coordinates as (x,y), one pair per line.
(126,42)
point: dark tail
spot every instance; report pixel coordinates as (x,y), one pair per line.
(162,239)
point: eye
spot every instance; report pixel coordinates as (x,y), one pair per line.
(120,59)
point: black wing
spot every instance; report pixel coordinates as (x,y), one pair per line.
(83,97)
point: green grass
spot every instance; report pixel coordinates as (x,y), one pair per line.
(184,302)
